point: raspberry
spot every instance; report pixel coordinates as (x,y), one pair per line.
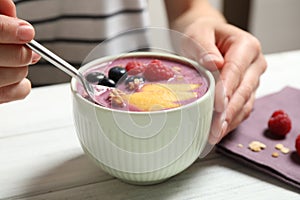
(155,61)
(279,123)
(134,68)
(156,71)
(297,144)
(277,112)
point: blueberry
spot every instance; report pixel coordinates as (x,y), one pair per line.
(107,82)
(117,74)
(95,77)
(132,78)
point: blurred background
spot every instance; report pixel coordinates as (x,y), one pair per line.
(275,23)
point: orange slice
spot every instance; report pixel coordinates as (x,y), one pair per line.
(161,96)
(181,86)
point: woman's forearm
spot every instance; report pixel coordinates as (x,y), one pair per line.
(182,13)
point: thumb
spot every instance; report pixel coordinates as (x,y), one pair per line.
(7,7)
(211,61)
(15,31)
(208,54)
(201,46)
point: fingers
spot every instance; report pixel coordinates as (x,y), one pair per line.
(241,103)
(209,59)
(239,117)
(241,53)
(246,88)
(208,55)
(15,31)
(221,101)
(237,56)
(200,45)
(218,131)
(7,7)
(242,115)
(15,91)
(244,64)
(9,76)
(16,55)
(13,84)
(218,128)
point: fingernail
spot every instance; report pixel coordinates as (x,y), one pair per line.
(226,101)
(35,58)
(209,61)
(223,117)
(25,32)
(207,58)
(223,130)
(221,99)
(217,133)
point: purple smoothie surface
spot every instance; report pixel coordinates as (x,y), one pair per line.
(185,85)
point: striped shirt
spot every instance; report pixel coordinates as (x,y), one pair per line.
(73,28)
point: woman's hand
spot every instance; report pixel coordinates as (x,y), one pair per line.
(14,56)
(233,55)
(237,58)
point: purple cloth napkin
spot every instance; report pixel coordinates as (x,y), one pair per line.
(286,167)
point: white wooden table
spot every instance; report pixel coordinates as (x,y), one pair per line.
(40,156)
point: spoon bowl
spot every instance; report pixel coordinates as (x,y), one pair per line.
(92,90)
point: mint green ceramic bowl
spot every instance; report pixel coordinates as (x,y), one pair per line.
(144,147)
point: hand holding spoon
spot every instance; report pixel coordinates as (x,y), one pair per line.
(91,89)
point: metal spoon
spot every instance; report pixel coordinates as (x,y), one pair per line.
(91,89)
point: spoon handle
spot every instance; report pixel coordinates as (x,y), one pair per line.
(53,59)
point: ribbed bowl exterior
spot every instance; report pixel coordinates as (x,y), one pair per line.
(144,147)
(90,133)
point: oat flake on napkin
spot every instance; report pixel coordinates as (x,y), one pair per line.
(286,167)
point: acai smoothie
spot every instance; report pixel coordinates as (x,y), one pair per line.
(146,83)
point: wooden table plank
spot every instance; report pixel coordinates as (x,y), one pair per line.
(219,178)
(45,108)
